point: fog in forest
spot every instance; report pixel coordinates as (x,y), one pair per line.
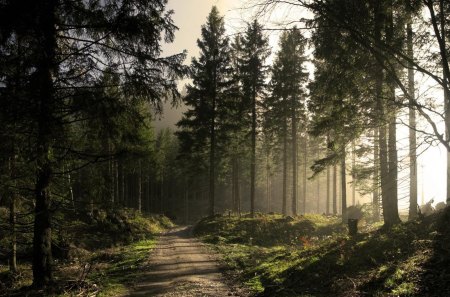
(224,148)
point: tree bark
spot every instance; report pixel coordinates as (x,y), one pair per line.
(412,128)
(305,166)
(335,211)
(285,164)
(376,185)
(253,154)
(328,182)
(390,213)
(343,189)
(46,70)
(294,157)
(353,174)
(139,184)
(268,181)
(318,185)
(12,214)
(328,190)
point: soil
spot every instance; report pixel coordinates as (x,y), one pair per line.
(181,266)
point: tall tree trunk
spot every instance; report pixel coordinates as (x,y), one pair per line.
(318,185)
(335,211)
(238,185)
(212,158)
(328,190)
(12,213)
(12,225)
(253,154)
(268,180)
(233,184)
(121,186)
(186,201)
(116,181)
(343,189)
(376,175)
(285,164)
(328,182)
(440,32)
(381,113)
(412,128)
(305,166)
(294,158)
(390,214)
(353,174)
(236,194)
(46,126)
(139,184)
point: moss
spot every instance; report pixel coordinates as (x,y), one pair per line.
(312,254)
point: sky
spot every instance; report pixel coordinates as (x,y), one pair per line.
(190,15)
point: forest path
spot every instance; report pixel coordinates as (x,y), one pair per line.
(181,266)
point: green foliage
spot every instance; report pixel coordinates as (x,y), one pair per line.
(114,246)
(377,262)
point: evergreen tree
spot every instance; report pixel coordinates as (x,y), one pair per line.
(211,82)
(286,104)
(71,44)
(253,72)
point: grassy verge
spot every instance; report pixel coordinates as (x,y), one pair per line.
(313,256)
(100,256)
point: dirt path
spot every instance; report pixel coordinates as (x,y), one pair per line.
(181,266)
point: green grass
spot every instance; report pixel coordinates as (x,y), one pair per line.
(104,254)
(124,270)
(313,256)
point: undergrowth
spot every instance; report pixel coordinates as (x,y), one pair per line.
(100,255)
(313,255)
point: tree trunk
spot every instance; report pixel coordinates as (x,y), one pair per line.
(238,187)
(412,129)
(12,214)
(328,183)
(121,186)
(268,181)
(328,190)
(211,163)
(285,164)
(335,211)
(186,201)
(253,154)
(376,185)
(390,213)
(139,189)
(294,157)
(353,174)
(46,70)
(343,189)
(212,149)
(318,185)
(305,166)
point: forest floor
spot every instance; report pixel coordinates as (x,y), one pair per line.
(100,256)
(313,256)
(181,265)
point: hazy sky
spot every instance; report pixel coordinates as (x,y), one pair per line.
(189,16)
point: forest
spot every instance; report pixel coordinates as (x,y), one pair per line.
(294,168)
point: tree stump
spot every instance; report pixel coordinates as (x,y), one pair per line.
(352,227)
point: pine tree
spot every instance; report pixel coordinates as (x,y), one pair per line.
(211,82)
(253,72)
(286,103)
(71,43)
